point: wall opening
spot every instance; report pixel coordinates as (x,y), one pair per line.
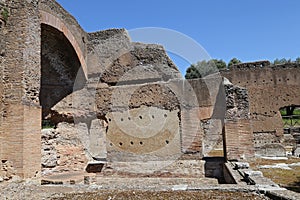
(60,67)
(290,118)
(291,126)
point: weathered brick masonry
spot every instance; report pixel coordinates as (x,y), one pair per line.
(270,88)
(117,100)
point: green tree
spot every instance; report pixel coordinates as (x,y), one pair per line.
(204,68)
(192,72)
(297,60)
(281,61)
(234,61)
(220,64)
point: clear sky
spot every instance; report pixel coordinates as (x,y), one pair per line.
(246,29)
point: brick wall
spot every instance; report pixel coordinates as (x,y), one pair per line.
(269,89)
(20,78)
(191,132)
(239,139)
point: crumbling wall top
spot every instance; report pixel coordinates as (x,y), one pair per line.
(251,65)
(106,34)
(51,6)
(261,65)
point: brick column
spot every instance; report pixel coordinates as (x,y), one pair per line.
(239,139)
(21,117)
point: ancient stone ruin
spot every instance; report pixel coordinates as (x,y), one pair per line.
(73,101)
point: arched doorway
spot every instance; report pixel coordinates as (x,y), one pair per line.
(60,67)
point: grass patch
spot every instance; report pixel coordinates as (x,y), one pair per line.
(295,112)
(291,122)
(282,176)
(259,161)
(289,179)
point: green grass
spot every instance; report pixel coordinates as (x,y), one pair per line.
(289,179)
(5,14)
(47,124)
(296,111)
(291,122)
(283,112)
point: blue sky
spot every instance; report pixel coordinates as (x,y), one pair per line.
(248,30)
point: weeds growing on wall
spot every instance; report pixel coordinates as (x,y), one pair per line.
(4,14)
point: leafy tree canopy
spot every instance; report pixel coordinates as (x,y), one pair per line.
(204,68)
(281,61)
(234,61)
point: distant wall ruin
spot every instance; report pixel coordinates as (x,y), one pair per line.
(270,88)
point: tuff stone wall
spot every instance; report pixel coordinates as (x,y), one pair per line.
(115,60)
(143,134)
(119,105)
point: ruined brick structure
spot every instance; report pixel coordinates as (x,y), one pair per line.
(116,100)
(270,88)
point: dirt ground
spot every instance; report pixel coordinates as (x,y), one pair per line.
(23,191)
(211,194)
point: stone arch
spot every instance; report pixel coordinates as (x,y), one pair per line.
(51,20)
(61,68)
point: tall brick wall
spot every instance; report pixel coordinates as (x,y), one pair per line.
(270,88)
(20,77)
(237,132)
(239,139)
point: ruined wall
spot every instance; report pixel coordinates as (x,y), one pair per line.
(2,54)
(133,106)
(21,73)
(115,60)
(269,88)
(52,14)
(237,134)
(20,135)
(103,48)
(126,78)
(60,67)
(138,115)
